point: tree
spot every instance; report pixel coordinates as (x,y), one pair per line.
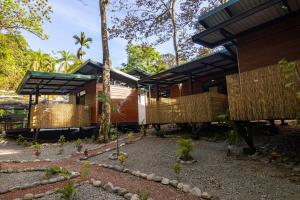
(27,15)
(162,20)
(144,57)
(103,4)
(168,60)
(66,60)
(83,42)
(41,61)
(15,58)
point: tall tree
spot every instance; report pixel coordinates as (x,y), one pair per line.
(162,21)
(38,61)
(83,42)
(144,57)
(27,15)
(106,112)
(66,60)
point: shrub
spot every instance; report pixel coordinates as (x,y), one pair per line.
(62,140)
(57,170)
(1,137)
(60,151)
(68,192)
(93,138)
(20,139)
(37,148)
(85,169)
(177,168)
(143,130)
(101,139)
(121,158)
(185,149)
(130,137)
(143,195)
(160,133)
(26,143)
(86,139)
(78,145)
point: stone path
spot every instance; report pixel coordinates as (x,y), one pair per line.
(132,183)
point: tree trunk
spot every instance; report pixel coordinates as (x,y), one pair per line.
(173,18)
(103,4)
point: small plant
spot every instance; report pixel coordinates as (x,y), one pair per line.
(101,139)
(85,169)
(62,140)
(78,145)
(68,192)
(143,130)
(20,139)
(37,148)
(26,143)
(1,137)
(143,195)
(130,137)
(93,138)
(57,170)
(185,149)
(177,169)
(121,159)
(160,133)
(60,151)
(86,140)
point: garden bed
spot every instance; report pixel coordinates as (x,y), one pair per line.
(87,191)
(213,172)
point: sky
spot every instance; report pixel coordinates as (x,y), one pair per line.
(71,17)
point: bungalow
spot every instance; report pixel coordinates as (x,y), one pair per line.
(82,87)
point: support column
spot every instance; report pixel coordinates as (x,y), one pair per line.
(157,92)
(37,95)
(157,126)
(29,110)
(191,84)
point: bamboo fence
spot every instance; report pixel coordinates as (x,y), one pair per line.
(203,107)
(59,116)
(262,94)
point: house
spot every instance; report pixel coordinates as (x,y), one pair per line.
(82,87)
(263,32)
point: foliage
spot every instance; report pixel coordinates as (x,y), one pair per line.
(85,169)
(66,60)
(27,15)
(57,170)
(185,149)
(121,158)
(20,139)
(62,140)
(2,112)
(60,151)
(1,137)
(26,143)
(177,168)
(291,74)
(160,133)
(37,148)
(143,130)
(143,195)
(101,138)
(93,138)
(114,133)
(78,145)
(41,61)
(83,42)
(144,57)
(130,137)
(68,191)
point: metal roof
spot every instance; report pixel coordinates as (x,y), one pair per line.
(219,62)
(236,17)
(52,83)
(90,65)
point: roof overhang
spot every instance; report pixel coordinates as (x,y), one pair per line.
(214,64)
(228,21)
(52,83)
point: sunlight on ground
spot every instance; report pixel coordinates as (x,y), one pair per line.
(9,151)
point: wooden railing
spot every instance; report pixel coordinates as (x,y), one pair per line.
(59,116)
(203,107)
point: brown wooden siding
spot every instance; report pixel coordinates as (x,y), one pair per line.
(270,44)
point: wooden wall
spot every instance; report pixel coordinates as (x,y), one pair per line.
(91,100)
(262,94)
(203,107)
(270,44)
(59,116)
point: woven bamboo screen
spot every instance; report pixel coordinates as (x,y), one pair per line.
(59,116)
(262,94)
(202,107)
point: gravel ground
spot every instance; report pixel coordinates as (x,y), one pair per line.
(9,150)
(213,172)
(87,191)
(19,179)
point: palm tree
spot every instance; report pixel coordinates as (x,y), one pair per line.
(83,42)
(66,60)
(38,61)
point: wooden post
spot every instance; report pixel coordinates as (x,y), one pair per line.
(157,127)
(157,92)
(29,110)
(36,95)
(190,84)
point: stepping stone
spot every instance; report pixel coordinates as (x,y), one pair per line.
(165,181)
(196,191)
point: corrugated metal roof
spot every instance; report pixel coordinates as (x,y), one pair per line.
(219,62)
(235,17)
